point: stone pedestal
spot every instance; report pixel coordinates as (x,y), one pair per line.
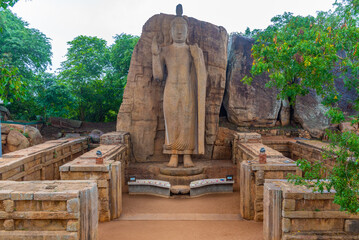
(107,175)
(181,176)
(252,177)
(48,210)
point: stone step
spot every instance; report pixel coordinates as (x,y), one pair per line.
(181,180)
(181,171)
(180,189)
(179,217)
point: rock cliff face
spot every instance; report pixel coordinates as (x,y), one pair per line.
(258,106)
(253,105)
(141,112)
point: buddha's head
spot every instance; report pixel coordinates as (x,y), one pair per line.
(179,30)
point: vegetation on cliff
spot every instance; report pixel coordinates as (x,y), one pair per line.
(304,53)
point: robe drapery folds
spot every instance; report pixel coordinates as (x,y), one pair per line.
(183,101)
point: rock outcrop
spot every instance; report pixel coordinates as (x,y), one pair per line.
(15,137)
(253,105)
(257,106)
(141,112)
(16,141)
(95,135)
(310,114)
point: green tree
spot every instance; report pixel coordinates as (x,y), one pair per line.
(97,74)
(121,53)
(87,63)
(7,3)
(24,52)
(303,53)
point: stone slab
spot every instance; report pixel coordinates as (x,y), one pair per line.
(226,187)
(149,189)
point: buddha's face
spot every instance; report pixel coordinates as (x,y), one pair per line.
(179,32)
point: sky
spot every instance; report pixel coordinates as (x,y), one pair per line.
(63,20)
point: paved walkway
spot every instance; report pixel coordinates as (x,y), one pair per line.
(208,217)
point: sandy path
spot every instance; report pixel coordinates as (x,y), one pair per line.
(172,219)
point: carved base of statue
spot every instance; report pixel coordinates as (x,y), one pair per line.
(187,161)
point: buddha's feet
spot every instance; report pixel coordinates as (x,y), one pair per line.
(187,161)
(173,161)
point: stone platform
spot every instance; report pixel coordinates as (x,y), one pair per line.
(181,176)
(211,169)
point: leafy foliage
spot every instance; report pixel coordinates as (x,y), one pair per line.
(96,74)
(303,53)
(7,3)
(89,86)
(24,52)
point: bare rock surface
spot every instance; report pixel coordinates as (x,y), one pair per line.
(310,114)
(253,105)
(16,141)
(15,137)
(95,135)
(141,112)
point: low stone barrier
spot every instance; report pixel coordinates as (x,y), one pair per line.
(311,150)
(252,177)
(148,186)
(48,210)
(207,186)
(281,144)
(41,162)
(108,176)
(118,138)
(247,146)
(243,138)
(295,212)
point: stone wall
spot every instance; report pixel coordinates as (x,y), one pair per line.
(295,212)
(41,162)
(118,138)
(141,112)
(48,210)
(311,150)
(280,143)
(109,177)
(252,177)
